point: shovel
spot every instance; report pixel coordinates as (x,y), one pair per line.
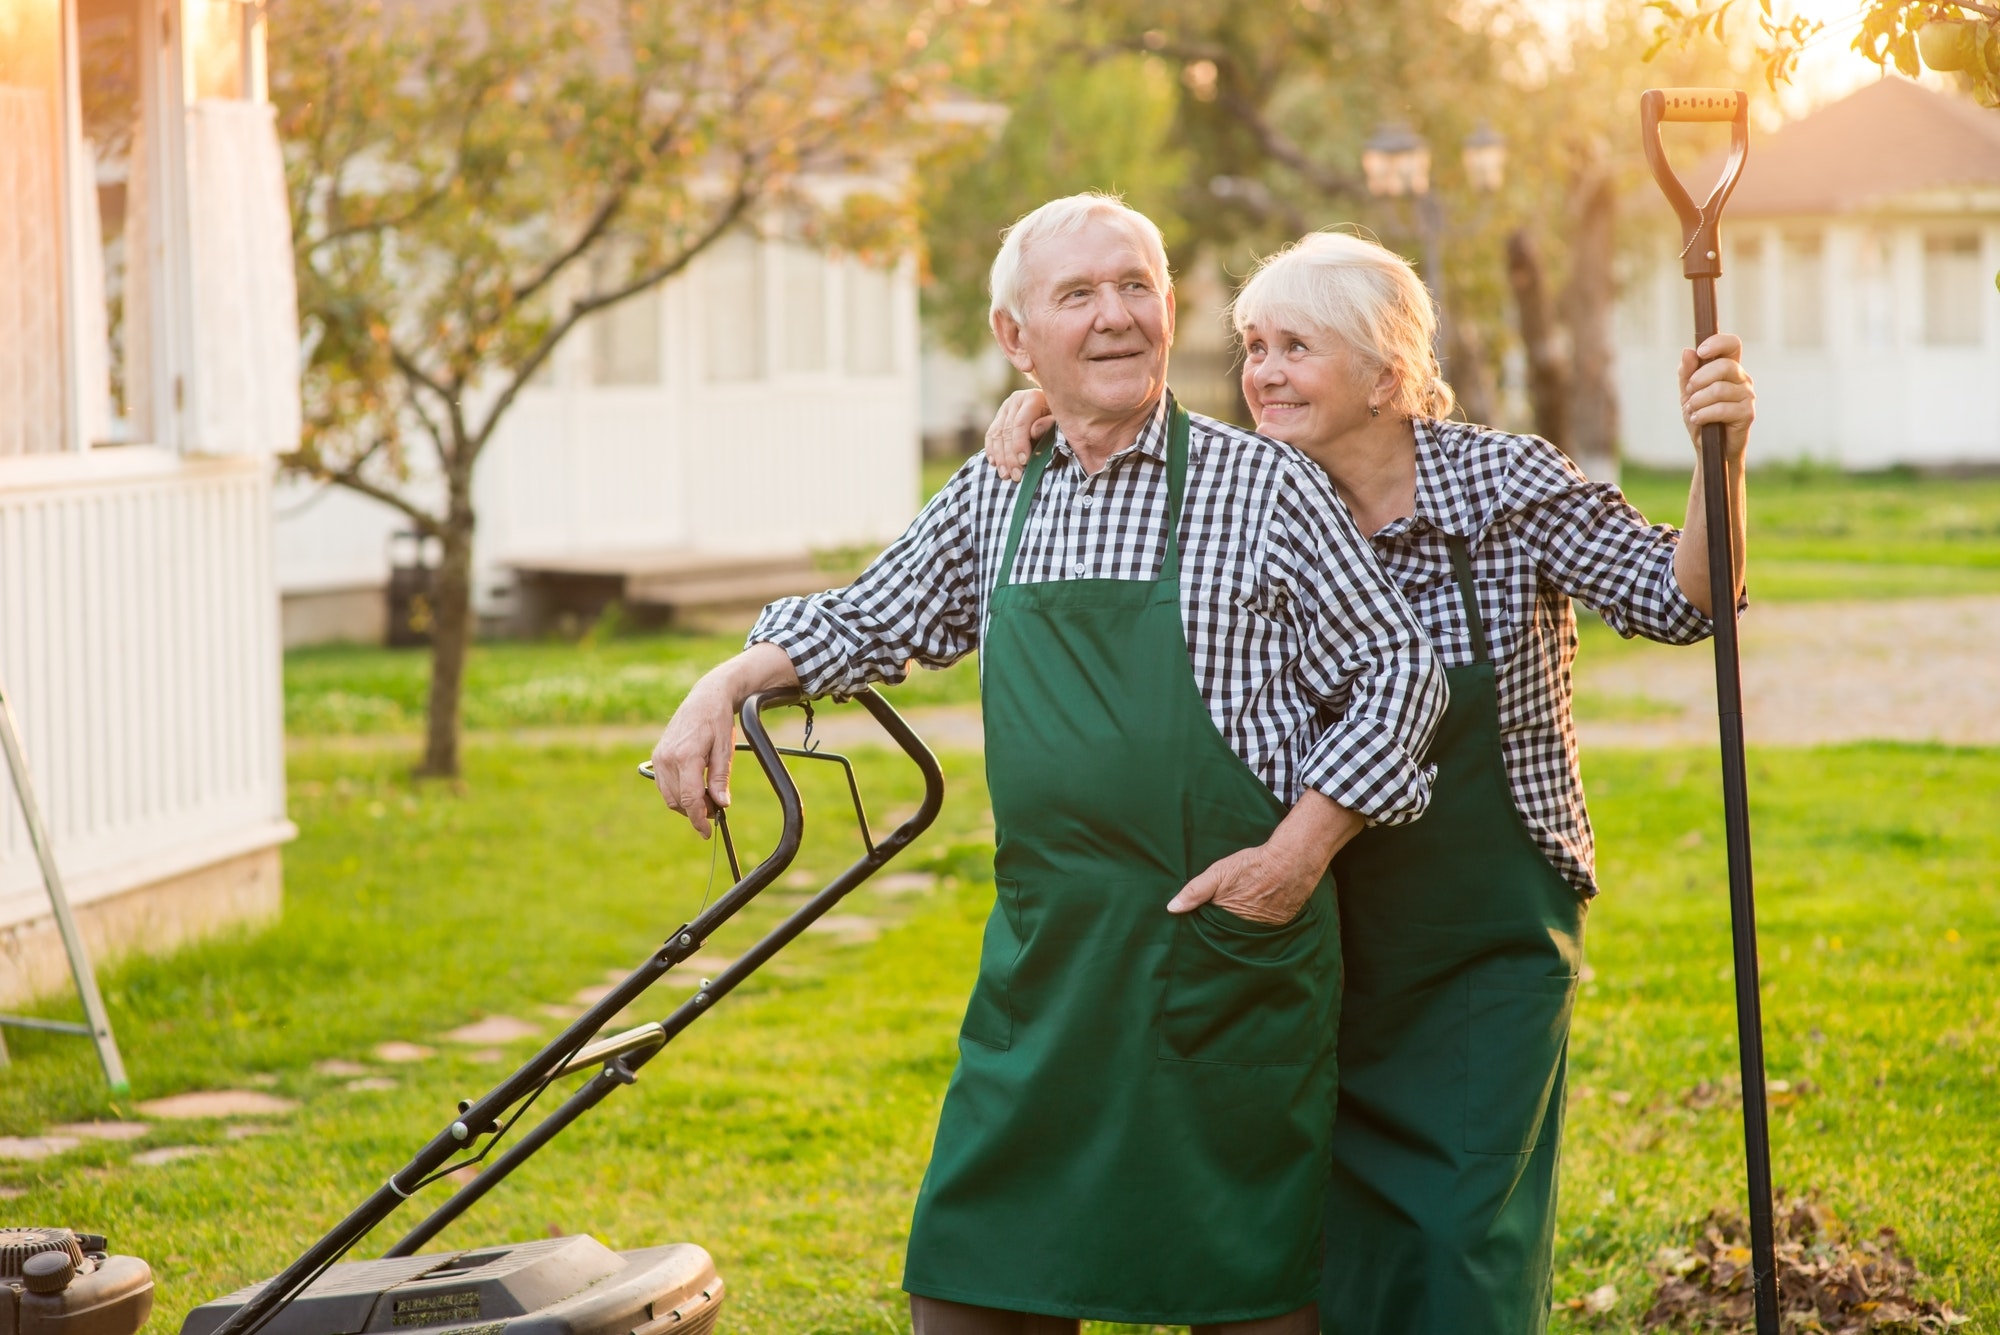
(1701,263)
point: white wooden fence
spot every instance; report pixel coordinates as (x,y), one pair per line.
(139,645)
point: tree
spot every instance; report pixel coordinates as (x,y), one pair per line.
(1959,37)
(472,179)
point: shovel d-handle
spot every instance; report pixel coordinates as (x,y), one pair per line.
(623,1054)
(490,1114)
(1701,244)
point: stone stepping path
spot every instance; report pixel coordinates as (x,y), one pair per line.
(37,1147)
(167,1154)
(493,1029)
(398,1053)
(902,883)
(847,928)
(341,1070)
(101,1130)
(207,1103)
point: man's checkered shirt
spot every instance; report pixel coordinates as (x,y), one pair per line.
(1312,667)
(1541,534)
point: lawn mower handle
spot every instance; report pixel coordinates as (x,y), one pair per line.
(623,1054)
(476,1119)
(1701,263)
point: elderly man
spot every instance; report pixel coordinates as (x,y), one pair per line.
(1198,684)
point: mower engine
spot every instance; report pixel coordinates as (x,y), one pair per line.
(554,1286)
(57,1282)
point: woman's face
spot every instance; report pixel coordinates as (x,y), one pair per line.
(1306,389)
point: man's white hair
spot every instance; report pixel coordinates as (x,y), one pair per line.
(1065,217)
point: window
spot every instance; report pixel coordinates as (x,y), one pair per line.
(117,395)
(1743,290)
(1804,313)
(1953,289)
(625,341)
(1875,290)
(32,416)
(732,296)
(215,36)
(871,320)
(803,308)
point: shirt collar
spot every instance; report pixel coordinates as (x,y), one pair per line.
(1151,442)
(1439,504)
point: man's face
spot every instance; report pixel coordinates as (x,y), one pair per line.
(1097,321)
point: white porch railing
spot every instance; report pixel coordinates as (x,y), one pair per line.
(139,645)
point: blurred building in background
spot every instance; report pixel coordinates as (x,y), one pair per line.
(149,363)
(1860,253)
(688,449)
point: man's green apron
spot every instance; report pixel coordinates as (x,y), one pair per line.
(1137,1129)
(1462,945)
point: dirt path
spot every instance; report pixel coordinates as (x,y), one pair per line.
(1909,670)
(1923,670)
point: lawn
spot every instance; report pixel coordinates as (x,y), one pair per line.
(1819,533)
(788,1132)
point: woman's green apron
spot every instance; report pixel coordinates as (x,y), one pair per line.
(1137,1129)
(1462,945)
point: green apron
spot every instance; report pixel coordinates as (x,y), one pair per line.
(1462,945)
(1137,1129)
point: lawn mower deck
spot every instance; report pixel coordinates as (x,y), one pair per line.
(553,1286)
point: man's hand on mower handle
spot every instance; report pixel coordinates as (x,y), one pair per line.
(1011,437)
(692,758)
(1272,882)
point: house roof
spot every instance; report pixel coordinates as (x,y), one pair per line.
(1888,141)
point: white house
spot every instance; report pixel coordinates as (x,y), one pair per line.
(148,372)
(1859,260)
(701,440)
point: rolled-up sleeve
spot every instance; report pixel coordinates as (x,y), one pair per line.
(1365,658)
(1595,546)
(918,600)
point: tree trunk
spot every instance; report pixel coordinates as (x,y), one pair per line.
(1548,371)
(451,636)
(1471,377)
(1588,302)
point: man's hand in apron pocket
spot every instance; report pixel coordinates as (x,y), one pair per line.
(1271,882)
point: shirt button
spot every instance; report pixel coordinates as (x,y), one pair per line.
(1089,500)
(1076,569)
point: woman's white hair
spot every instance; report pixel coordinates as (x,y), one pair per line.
(1343,286)
(1065,217)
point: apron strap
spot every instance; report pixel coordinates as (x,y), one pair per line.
(1461,574)
(1038,463)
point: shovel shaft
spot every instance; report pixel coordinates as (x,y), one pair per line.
(1736,828)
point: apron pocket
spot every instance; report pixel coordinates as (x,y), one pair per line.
(1244,993)
(989,1020)
(1517,1030)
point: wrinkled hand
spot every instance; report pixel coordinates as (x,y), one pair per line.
(691,759)
(1718,391)
(1010,438)
(1267,884)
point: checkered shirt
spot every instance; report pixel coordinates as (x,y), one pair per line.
(1312,667)
(1541,534)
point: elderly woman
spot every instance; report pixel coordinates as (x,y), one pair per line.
(1462,932)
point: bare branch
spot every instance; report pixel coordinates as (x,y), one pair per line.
(1275,143)
(350,477)
(740,201)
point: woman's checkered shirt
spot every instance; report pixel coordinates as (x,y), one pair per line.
(1541,535)
(1312,667)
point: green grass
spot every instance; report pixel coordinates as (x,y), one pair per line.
(1818,533)
(351,690)
(788,1132)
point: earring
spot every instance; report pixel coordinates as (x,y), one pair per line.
(1374,410)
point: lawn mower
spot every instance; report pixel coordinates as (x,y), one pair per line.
(70,1285)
